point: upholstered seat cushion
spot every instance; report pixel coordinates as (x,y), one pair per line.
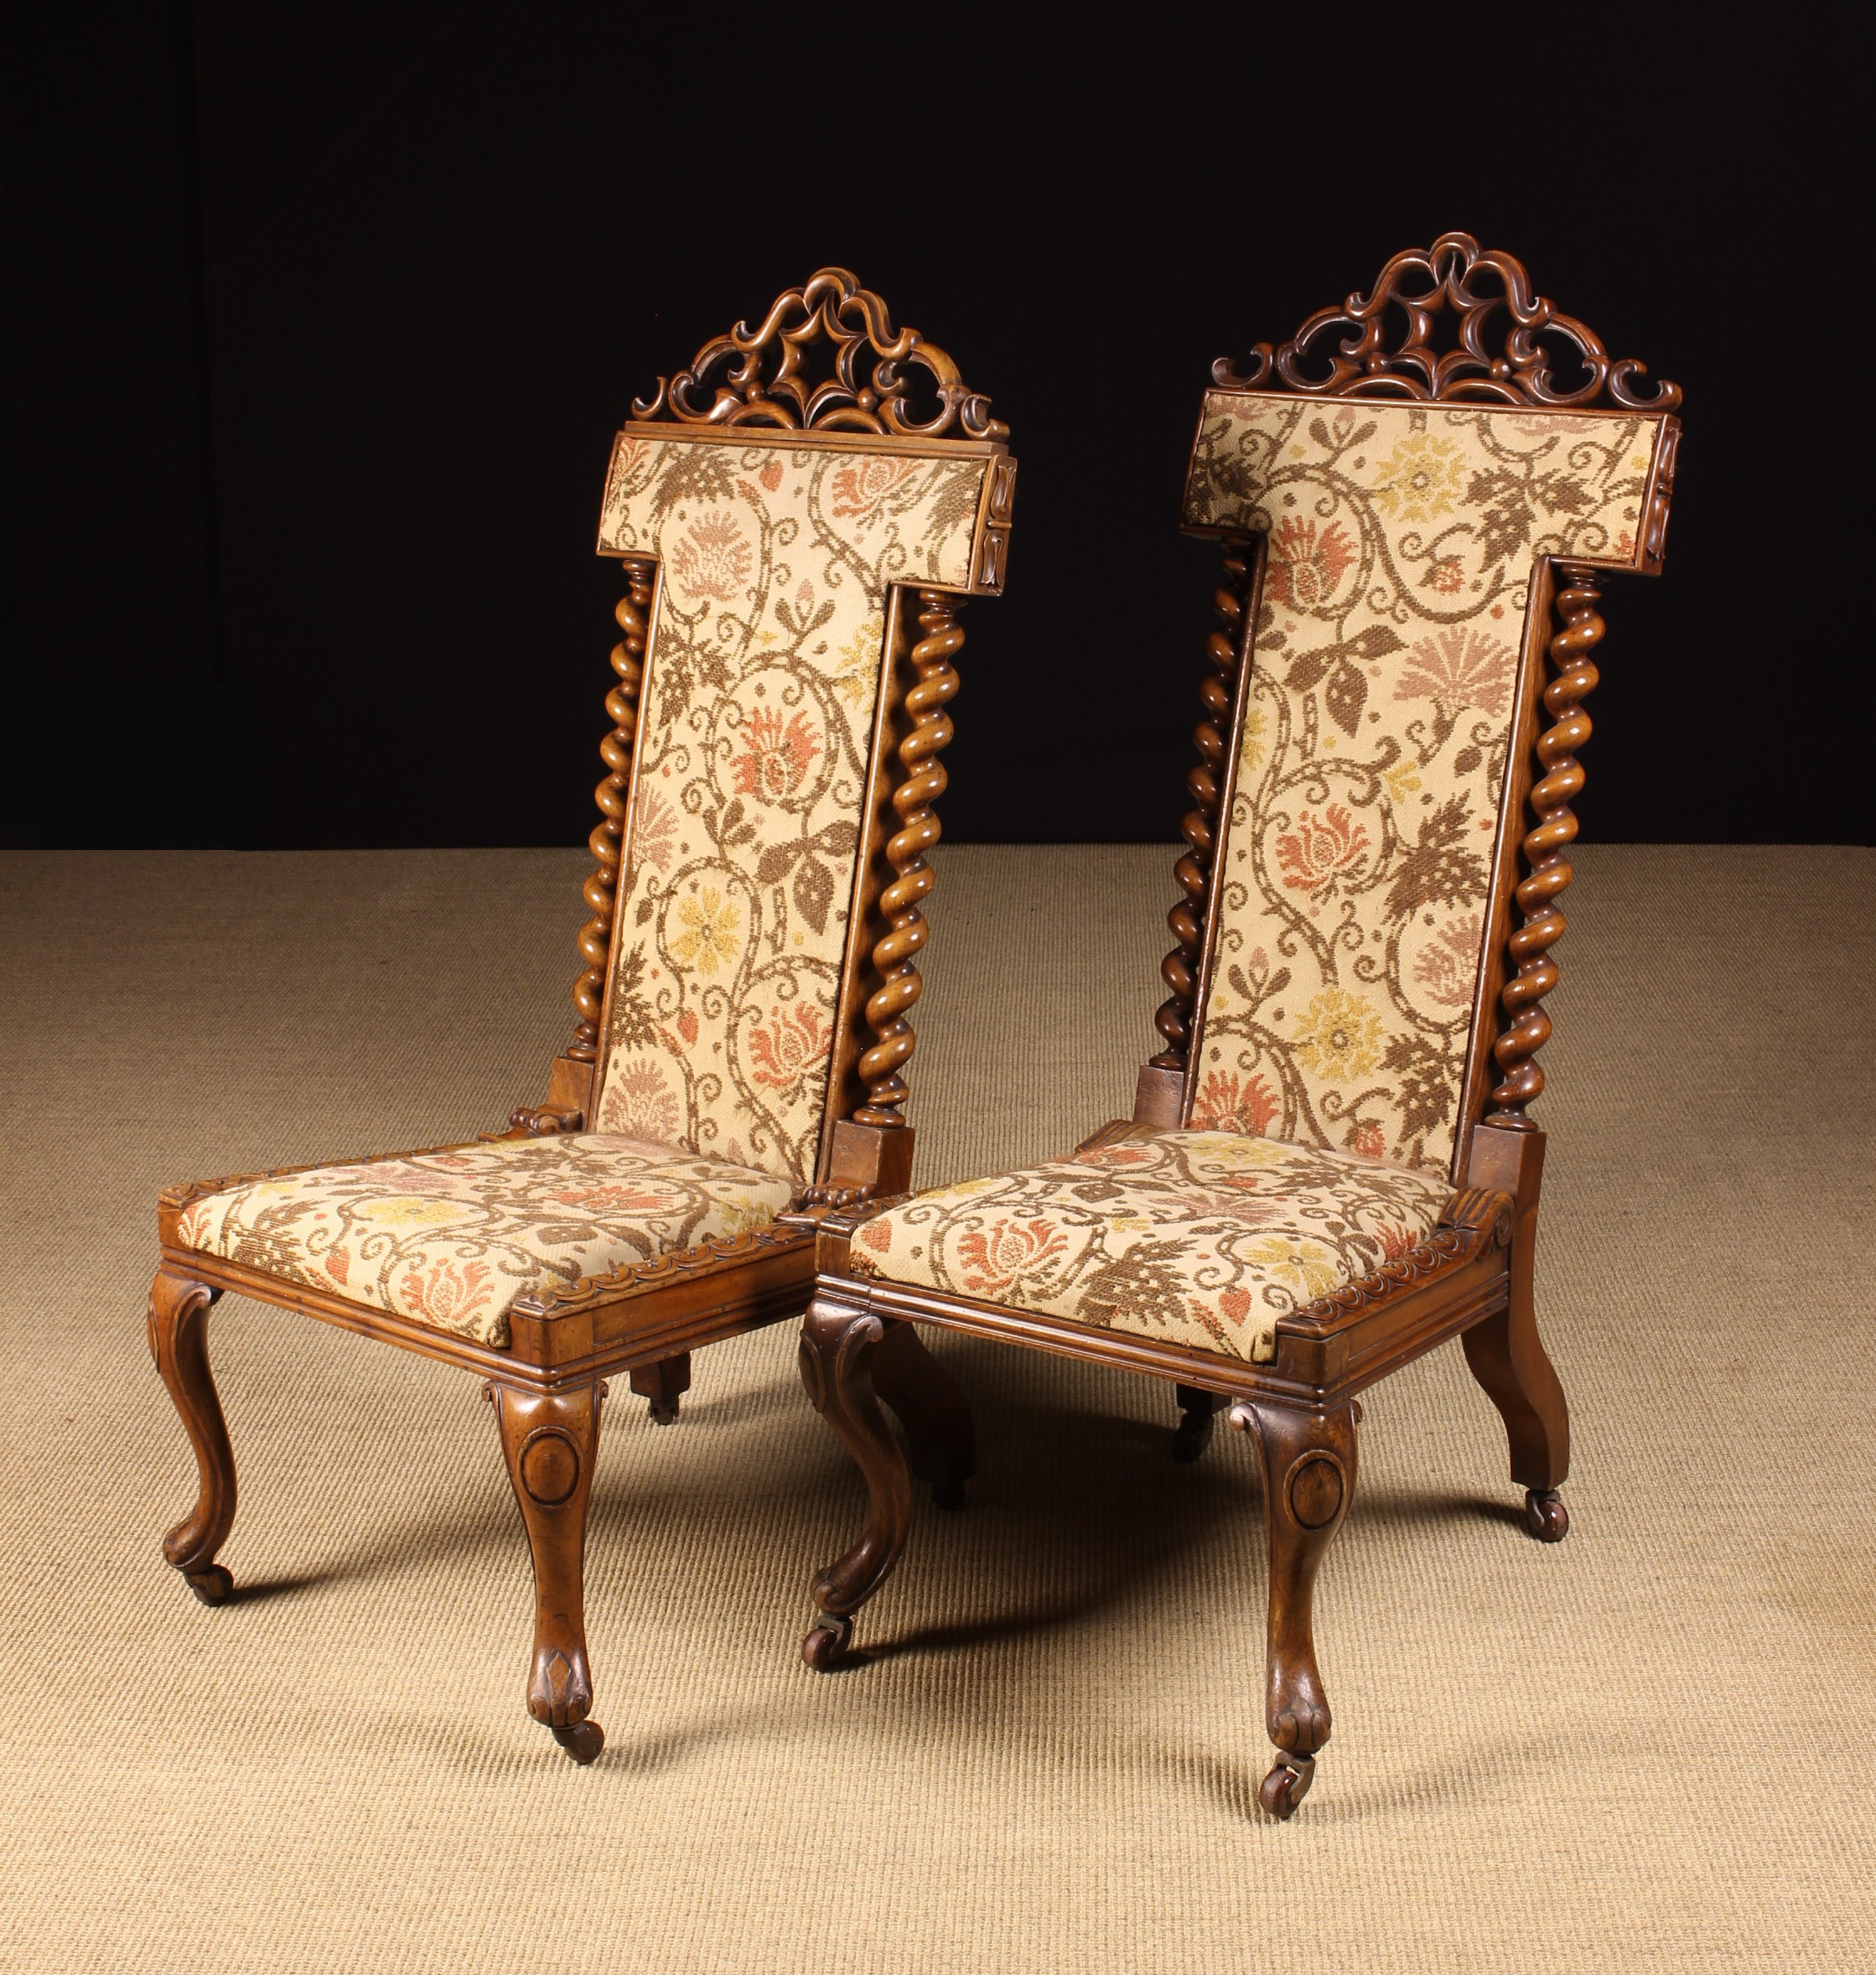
(1200,1238)
(451,1237)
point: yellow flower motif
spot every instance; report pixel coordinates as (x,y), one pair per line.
(1304,1266)
(1339,1038)
(709,939)
(1639,464)
(1423,478)
(1129,1223)
(1230,1149)
(1401,781)
(1251,747)
(409,1211)
(859,661)
(965,1188)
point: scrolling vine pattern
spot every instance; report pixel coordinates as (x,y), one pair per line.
(1353,903)
(753,743)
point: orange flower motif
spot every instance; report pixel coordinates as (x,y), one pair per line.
(771,475)
(1228,1103)
(861,489)
(1316,853)
(613,1200)
(1397,1242)
(995,1256)
(775,757)
(789,1044)
(1306,568)
(713,559)
(446,1292)
(1460,668)
(1235,1304)
(1368,1138)
(1445,575)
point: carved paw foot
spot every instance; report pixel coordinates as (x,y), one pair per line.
(825,1647)
(1287,1785)
(582,1741)
(213,1585)
(1545,1515)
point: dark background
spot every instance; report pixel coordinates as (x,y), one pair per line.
(318,324)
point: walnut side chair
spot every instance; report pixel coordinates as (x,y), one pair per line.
(1331,1166)
(795,555)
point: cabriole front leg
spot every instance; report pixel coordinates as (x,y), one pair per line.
(839,1345)
(1309,1464)
(178,1322)
(549,1441)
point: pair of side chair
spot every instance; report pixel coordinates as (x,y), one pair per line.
(1331,1165)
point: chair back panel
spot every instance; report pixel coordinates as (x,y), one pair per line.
(1393,646)
(755,731)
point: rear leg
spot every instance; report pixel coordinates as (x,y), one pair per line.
(941,1437)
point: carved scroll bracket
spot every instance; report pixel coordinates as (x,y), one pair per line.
(1500,358)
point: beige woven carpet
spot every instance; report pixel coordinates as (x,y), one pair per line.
(1648,1748)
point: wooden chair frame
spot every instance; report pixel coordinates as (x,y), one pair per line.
(1471,1276)
(645,1318)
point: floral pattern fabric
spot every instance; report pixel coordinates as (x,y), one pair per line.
(1199,1238)
(451,1238)
(1355,885)
(754,730)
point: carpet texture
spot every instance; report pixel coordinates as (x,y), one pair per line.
(1650,1747)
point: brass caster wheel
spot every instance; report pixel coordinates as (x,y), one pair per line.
(825,1647)
(948,1494)
(582,1741)
(213,1586)
(1545,1515)
(1287,1785)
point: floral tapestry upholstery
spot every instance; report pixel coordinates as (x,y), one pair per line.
(1354,889)
(1199,1238)
(451,1238)
(754,730)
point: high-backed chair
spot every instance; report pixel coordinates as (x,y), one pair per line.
(1332,1165)
(794,553)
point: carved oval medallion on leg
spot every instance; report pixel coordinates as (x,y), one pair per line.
(549,1441)
(1308,1461)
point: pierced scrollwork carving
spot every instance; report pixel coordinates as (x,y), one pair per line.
(1504,364)
(725,384)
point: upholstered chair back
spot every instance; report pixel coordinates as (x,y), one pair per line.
(1400,586)
(777,542)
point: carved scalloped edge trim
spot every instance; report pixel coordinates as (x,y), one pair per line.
(1423,282)
(630,1278)
(1473,1217)
(831,306)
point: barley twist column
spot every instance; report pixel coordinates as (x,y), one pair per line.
(1180,970)
(896,953)
(1528,1027)
(601,889)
